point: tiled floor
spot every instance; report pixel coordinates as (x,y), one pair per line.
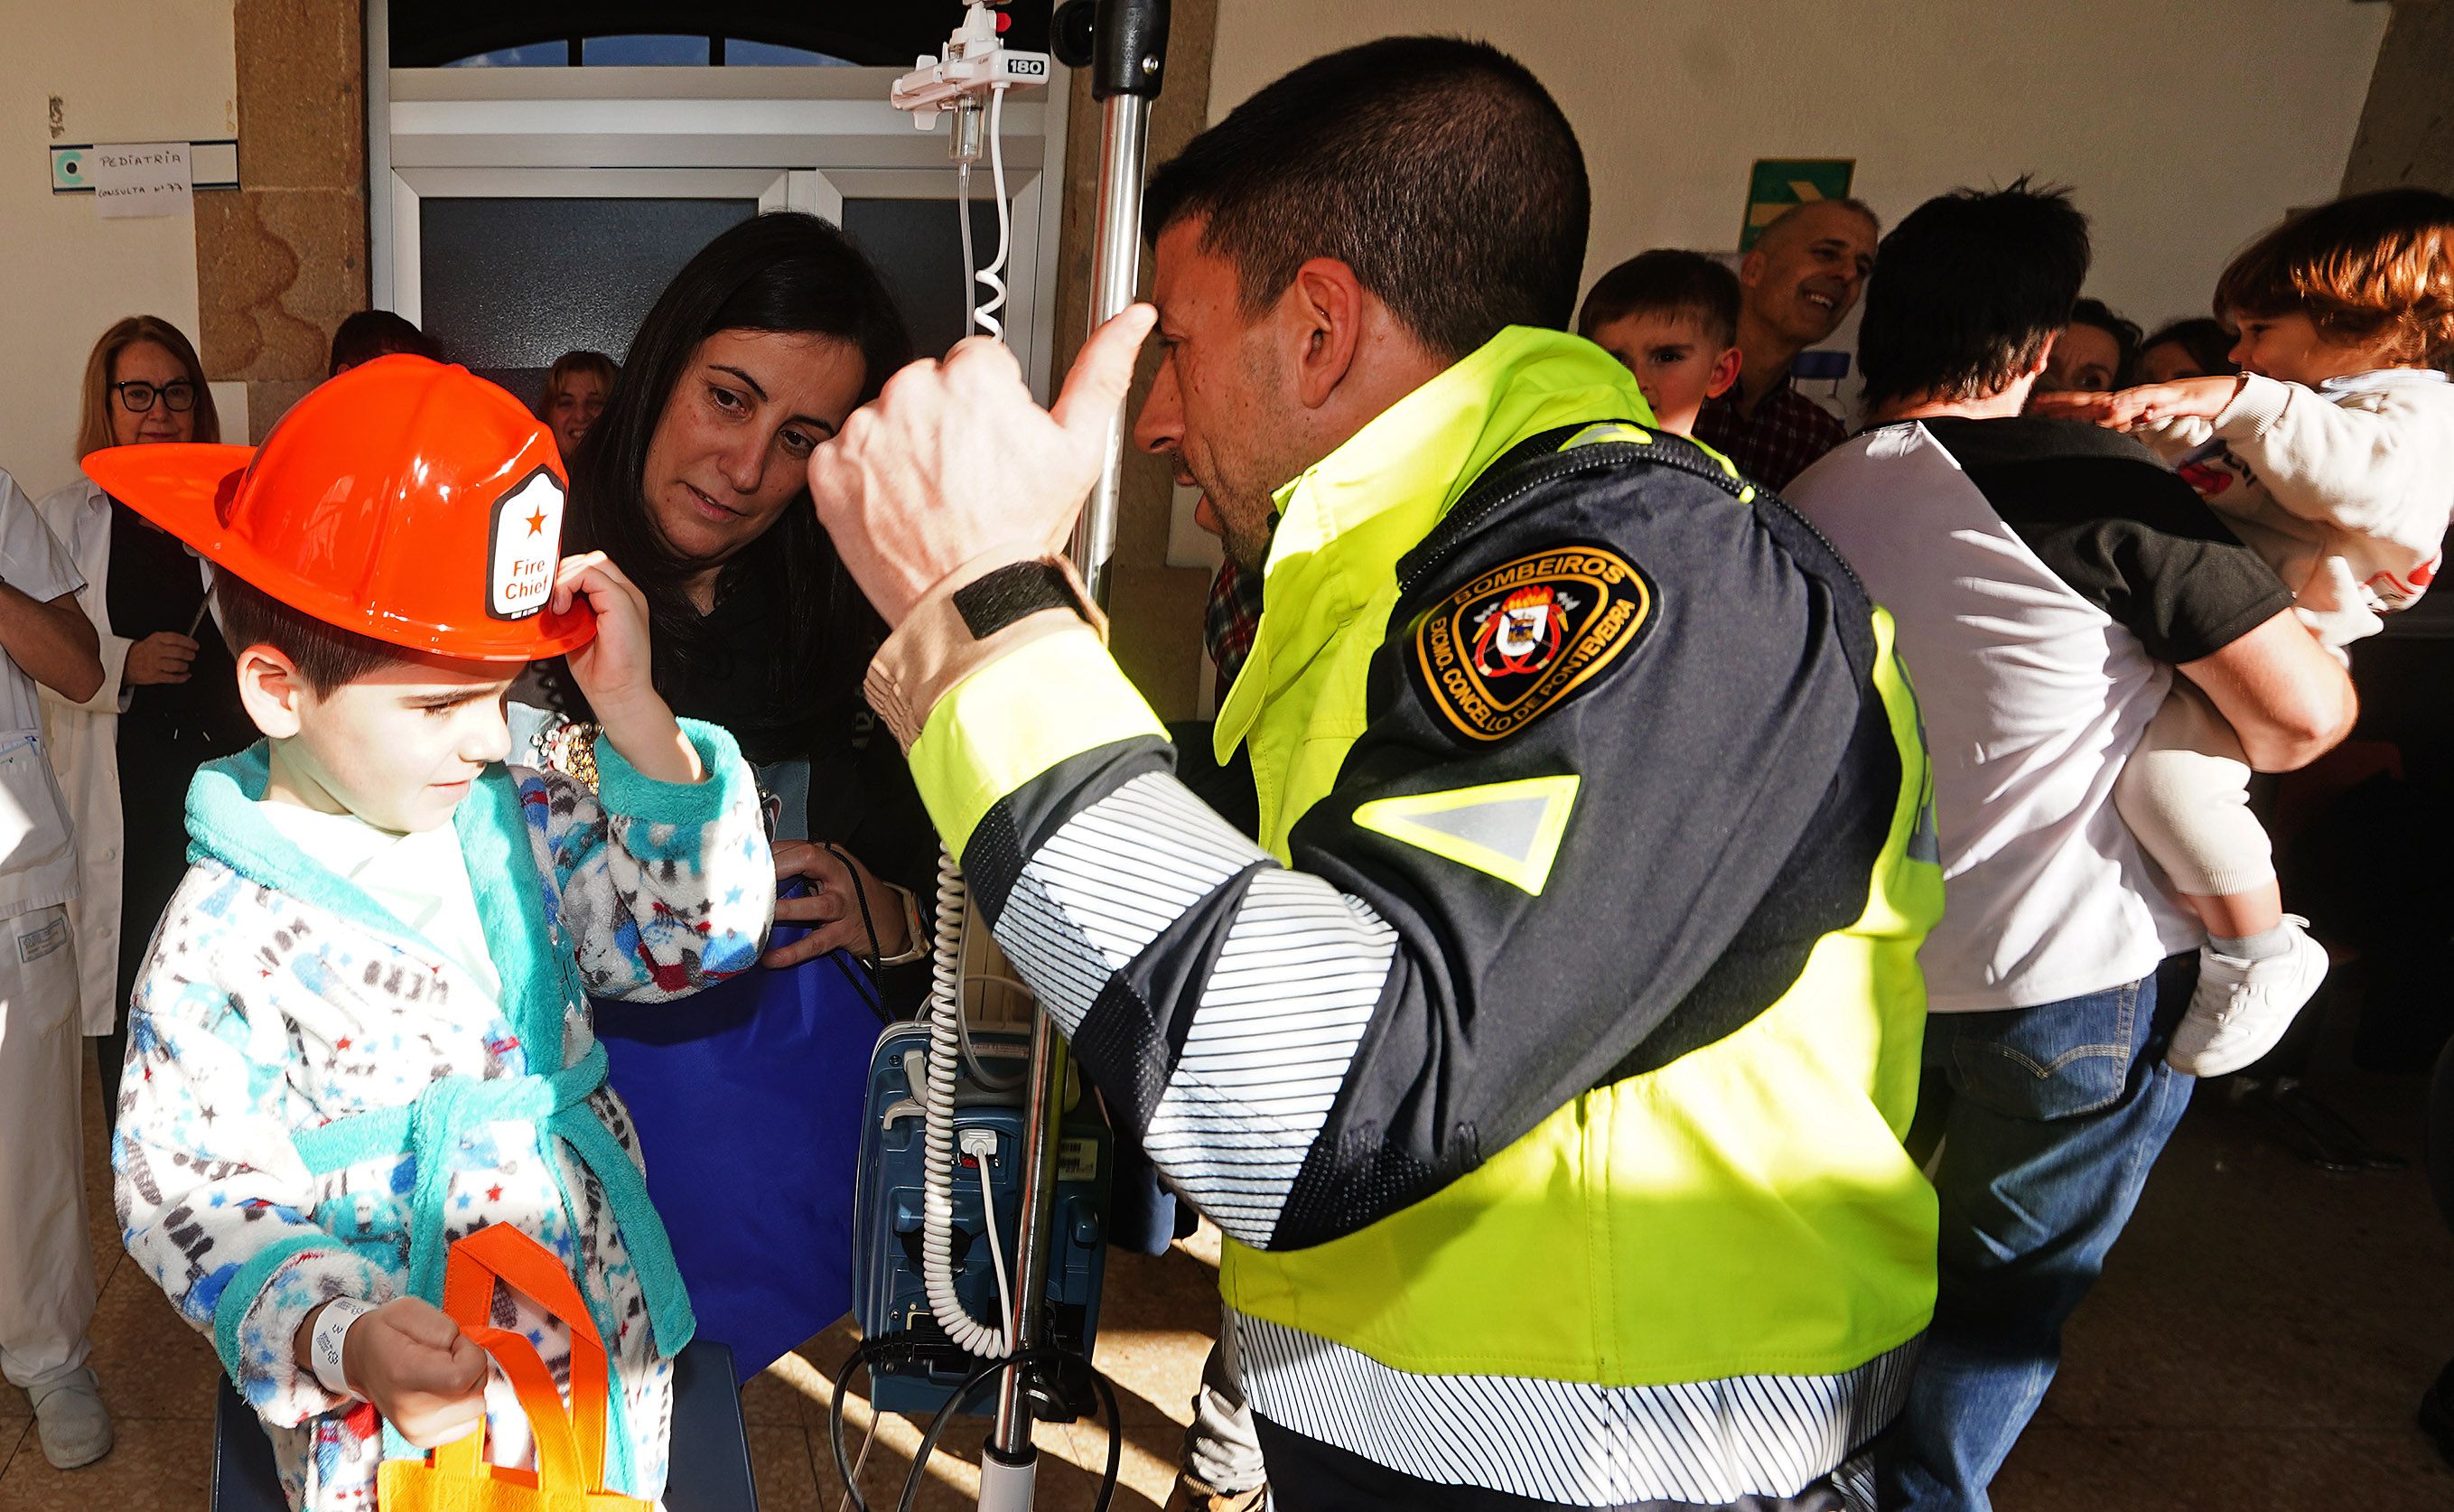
(2259,1340)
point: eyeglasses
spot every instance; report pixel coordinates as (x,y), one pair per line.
(138,396)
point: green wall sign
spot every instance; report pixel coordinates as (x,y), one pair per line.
(1777,183)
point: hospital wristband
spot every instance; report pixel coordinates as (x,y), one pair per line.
(324,1344)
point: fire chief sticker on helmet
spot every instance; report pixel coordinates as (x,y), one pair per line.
(1520,639)
(525,547)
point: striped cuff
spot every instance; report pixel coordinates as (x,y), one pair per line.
(939,644)
(1576,1444)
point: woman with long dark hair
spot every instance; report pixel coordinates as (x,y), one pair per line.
(694,480)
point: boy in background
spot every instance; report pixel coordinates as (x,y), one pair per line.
(1673,319)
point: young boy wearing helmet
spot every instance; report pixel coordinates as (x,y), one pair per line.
(362,1031)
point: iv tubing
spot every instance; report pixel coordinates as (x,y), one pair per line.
(985,315)
(937,1130)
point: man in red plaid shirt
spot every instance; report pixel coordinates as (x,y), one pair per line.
(1228,619)
(1801,277)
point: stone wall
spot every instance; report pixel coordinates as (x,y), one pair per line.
(280,263)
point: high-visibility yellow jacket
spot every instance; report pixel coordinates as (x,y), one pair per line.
(1546,1063)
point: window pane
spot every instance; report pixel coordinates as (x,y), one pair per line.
(534,55)
(508,284)
(643,51)
(912,242)
(741,53)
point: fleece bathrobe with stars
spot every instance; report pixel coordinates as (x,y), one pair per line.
(318,1099)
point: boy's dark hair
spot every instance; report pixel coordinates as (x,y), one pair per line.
(2207,342)
(2380,264)
(1440,170)
(1666,281)
(2125,333)
(1968,290)
(373,333)
(327,656)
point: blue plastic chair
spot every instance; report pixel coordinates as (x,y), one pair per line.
(710,1459)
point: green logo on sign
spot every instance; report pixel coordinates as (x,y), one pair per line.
(1777,183)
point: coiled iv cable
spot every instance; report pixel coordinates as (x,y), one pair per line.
(937,1131)
(992,278)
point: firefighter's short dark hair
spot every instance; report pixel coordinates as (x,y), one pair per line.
(1438,170)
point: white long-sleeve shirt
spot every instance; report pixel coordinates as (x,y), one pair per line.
(2360,468)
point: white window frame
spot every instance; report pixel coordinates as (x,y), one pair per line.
(412,187)
(799,138)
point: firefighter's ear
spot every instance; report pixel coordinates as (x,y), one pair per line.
(1326,307)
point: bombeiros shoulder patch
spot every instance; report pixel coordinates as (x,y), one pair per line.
(524,547)
(1515,642)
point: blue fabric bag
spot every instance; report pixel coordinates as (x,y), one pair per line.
(748,1102)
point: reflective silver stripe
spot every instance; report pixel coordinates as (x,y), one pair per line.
(1303,967)
(1709,1443)
(1297,976)
(1128,866)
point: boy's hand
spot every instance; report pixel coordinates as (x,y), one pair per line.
(425,1376)
(614,666)
(615,673)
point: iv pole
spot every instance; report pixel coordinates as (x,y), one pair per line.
(1126,53)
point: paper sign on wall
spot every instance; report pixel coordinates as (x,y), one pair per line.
(140,178)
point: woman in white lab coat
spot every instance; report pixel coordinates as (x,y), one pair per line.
(127,787)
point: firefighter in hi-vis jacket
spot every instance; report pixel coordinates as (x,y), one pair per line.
(1546,1062)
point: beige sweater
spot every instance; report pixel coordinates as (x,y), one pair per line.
(2360,468)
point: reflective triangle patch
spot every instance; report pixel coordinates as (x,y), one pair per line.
(1508,830)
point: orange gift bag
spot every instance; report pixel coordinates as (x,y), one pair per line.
(570,1476)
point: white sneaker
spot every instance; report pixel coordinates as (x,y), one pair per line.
(74,1425)
(2243,1007)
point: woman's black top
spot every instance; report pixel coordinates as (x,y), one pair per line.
(728,675)
(154,585)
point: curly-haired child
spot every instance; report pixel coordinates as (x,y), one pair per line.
(2331,453)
